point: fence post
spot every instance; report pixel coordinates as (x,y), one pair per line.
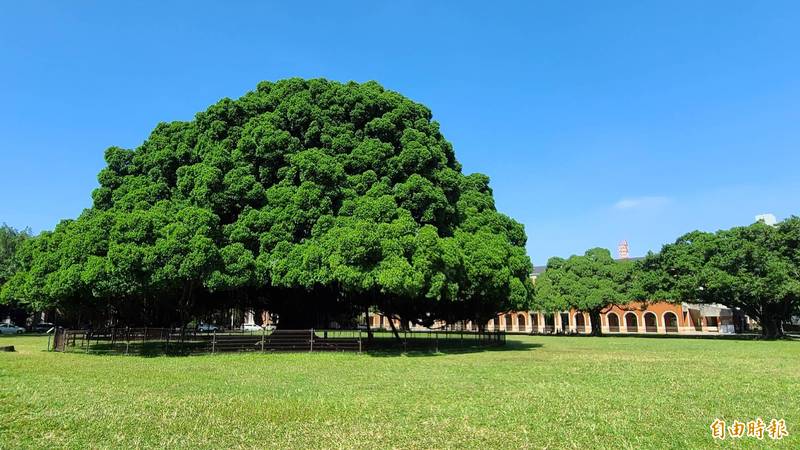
(127,339)
(48,342)
(263,337)
(311,347)
(214,342)
(359,340)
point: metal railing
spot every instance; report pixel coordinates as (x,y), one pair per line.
(155,341)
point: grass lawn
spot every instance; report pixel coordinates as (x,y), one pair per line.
(553,392)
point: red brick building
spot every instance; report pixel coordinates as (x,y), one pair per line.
(633,318)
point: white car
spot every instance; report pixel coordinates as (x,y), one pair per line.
(251,327)
(207,327)
(10,328)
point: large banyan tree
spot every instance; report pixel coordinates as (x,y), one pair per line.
(310,198)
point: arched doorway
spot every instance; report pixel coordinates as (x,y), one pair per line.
(522,326)
(650,323)
(564,316)
(549,323)
(580,323)
(535,322)
(631,322)
(509,321)
(495,324)
(670,322)
(613,322)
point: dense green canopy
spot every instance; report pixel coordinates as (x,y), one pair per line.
(302,195)
(590,282)
(755,268)
(11,240)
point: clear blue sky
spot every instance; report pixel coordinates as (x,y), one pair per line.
(596,121)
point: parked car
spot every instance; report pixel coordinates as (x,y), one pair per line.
(207,327)
(251,327)
(10,328)
(42,327)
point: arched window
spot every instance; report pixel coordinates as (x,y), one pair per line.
(650,323)
(521,322)
(631,322)
(509,321)
(496,323)
(580,322)
(613,322)
(670,322)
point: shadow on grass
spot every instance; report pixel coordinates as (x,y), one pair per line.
(382,349)
(450,349)
(146,350)
(720,337)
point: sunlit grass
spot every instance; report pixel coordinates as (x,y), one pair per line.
(555,392)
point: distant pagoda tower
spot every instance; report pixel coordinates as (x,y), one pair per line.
(622,249)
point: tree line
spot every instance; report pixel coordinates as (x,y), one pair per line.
(322,201)
(314,199)
(754,268)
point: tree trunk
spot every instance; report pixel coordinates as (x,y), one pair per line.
(185,304)
(394,329)
(594,316)
(772,327)
(369,329)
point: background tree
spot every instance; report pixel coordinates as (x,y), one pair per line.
(11,240)
(753,268)
(592,282)
(308,197)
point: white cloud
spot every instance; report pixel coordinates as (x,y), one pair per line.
(641,202)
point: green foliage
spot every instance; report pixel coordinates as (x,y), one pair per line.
(591,282)
(755,268)
(11,240)
(301,189)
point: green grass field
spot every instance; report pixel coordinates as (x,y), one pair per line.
(537,392)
